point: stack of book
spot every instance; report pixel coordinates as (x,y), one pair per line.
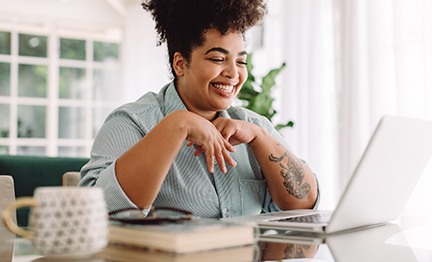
(122,253)
(183,237)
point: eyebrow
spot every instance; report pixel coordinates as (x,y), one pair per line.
(224,51)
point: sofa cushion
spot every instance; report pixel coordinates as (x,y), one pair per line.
(30,172)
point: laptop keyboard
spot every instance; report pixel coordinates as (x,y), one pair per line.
(315,218)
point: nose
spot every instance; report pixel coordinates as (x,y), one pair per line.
(230,70)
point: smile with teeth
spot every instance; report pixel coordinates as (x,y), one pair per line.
(224,88)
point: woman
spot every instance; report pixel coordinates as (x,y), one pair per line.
(187,147)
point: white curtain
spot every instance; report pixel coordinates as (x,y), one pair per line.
(348,63)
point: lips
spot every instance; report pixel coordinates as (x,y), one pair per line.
(223,88)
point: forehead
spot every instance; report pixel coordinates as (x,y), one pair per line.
(231,41)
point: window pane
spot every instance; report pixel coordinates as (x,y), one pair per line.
(32,80)
(71,151)
(71,121)
(106,84)
(71,82)
(72,49)
(4,150)
(4,79)
(105,51)
(31,121)
(4,121)
(32,45)
(31,150)
(5,43)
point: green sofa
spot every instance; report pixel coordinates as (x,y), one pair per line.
(30,172)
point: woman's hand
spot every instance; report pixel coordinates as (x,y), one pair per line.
(236,131)
(208,140)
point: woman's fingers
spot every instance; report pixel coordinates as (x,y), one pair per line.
(236,131)
(221,162)
(216,153)
(210,163)
(227,157)
(208,139)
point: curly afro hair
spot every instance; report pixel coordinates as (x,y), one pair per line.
(183,23)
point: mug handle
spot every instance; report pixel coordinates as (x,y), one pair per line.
(7,215)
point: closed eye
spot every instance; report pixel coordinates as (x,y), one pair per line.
(218,60)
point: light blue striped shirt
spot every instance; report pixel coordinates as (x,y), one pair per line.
(188,185)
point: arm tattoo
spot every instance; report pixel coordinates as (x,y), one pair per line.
(292,173)
(295,251)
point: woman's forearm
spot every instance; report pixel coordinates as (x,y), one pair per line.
(290,181)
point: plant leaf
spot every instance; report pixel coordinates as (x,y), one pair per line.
(268,80)
(288,124)
(249,65)
(257,97)
(262,104)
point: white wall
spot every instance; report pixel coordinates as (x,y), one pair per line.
(145,65)
(92,15)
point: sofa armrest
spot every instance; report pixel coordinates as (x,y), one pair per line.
(71,178)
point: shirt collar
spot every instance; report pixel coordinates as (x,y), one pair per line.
(172,99)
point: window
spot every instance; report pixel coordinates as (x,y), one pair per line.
(55,91)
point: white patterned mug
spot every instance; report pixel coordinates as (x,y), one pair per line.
(63,221)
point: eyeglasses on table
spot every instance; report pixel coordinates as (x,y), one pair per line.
(157,215)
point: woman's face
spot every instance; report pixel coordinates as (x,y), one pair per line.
(215,74)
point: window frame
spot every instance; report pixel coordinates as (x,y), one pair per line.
(52,142)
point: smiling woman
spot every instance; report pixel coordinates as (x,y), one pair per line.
(187,147)
(218,64)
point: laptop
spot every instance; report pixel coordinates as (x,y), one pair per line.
(384,243)
(386,175)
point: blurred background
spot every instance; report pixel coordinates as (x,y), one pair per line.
(65,64)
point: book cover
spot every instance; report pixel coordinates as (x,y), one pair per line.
(122,253)
(185,236)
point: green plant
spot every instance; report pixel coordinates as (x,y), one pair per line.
(257,96)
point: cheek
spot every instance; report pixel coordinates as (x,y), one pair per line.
(243,74)
(206,74)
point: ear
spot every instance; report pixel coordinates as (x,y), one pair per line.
(179,64)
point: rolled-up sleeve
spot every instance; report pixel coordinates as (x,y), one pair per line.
(114,194)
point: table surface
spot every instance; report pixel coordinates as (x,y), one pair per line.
(405,239)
